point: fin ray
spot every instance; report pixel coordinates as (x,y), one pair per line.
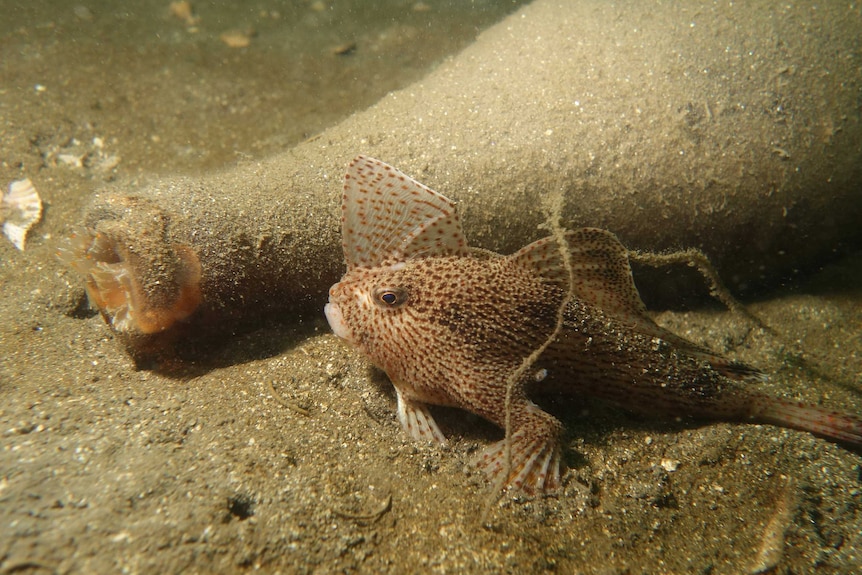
(417,421)
(600,266)
(388,216)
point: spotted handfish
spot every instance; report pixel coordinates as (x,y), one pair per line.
(450,325)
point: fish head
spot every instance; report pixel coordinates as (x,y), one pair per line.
(396,316)
(364,301)
(371,310)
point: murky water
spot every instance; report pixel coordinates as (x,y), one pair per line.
(282,453)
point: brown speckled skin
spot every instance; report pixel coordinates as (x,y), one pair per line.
(462,327)
(450,326)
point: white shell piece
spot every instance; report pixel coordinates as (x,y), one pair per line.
(21,209)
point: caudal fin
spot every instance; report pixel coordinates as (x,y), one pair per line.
(833,425)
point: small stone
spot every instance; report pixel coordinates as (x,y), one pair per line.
(237,38)
(344,49)
(83,13)
(183,11)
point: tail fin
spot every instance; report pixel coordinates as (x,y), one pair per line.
(833,425)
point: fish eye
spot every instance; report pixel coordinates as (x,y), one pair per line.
(390,297)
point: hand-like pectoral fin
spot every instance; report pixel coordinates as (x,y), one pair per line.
(534,465)
(417,421)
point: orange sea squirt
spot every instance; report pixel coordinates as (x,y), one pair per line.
(114,276)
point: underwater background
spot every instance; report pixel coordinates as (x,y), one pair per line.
(278,450)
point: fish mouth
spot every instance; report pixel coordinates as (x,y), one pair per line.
(336,320)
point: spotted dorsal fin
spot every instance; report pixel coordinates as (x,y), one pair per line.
(603,278)
(600,268)
(388,217)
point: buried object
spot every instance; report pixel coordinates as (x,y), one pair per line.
(455,326)
(175,267)
(141,283)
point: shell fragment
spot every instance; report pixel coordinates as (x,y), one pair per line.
(21,209)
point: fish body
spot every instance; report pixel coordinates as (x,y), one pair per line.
(450,325)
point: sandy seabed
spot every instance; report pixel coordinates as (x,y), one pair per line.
(281,452)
